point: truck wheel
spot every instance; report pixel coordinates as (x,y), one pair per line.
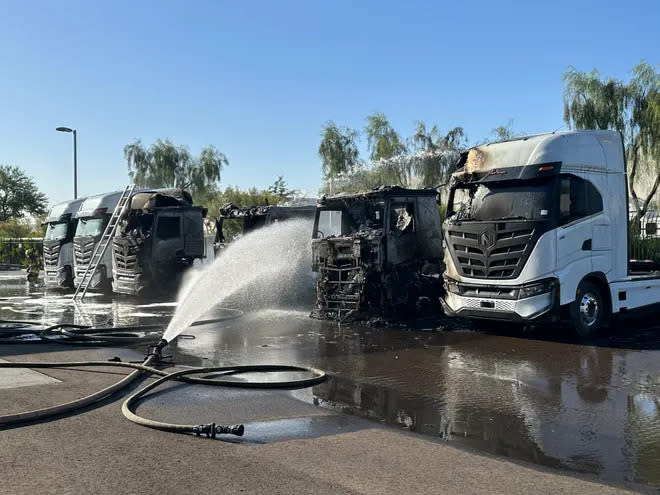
(589,310)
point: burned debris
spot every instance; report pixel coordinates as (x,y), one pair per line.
(378,253)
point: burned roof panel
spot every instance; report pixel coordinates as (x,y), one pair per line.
(378,194)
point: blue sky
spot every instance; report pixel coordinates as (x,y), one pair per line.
(259,79)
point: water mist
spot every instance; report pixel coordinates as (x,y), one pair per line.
(263,268)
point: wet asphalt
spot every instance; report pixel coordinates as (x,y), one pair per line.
(537,395)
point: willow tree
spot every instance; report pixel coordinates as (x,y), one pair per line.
(436,153)
(633,108)
(164,164)
(338,151)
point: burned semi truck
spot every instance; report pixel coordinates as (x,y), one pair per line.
(234,221)
(157,239)
(377,253)
(58,244)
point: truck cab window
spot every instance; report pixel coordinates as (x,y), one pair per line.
(578,198)
(329,223)
(402,217)
(168,227)
(460,199)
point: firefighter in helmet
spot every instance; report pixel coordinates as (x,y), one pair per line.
(33,265)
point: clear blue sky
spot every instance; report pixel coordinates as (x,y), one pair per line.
(259,79)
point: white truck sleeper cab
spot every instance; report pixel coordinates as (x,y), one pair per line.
(540,224)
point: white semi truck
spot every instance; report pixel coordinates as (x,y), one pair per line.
(537,229)
(92,217)
(58,244)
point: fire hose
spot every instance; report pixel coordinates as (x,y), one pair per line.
(153,358)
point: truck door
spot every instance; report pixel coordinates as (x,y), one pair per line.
(193,234)
(578,210)
(401,231)
(168,244)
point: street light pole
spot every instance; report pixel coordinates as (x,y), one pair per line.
(75,158)
(75,166)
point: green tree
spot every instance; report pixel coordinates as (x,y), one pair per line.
(382,140)
(338,149)
(280,189)
(633,108)
(19,195)
(164,164)
(505,132)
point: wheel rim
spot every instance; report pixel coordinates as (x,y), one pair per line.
(589,309)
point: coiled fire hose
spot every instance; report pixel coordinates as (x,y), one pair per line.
(154,358)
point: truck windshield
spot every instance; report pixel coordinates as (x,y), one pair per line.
(329,223)
(89,227)
(56,231)
(523,200)
(359,216)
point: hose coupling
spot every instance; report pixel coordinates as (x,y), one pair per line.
(211,430)
(157,350)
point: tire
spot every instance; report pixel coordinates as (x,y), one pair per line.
(589,311)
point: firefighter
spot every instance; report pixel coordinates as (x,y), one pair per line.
(33,265)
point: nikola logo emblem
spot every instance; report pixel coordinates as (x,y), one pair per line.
(487,239)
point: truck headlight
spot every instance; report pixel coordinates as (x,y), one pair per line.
(536,288)
(452,286)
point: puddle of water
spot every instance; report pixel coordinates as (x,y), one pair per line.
(540,397)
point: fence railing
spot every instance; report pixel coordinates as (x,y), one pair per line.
(645,237)
(12,250)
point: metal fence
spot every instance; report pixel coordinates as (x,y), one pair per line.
(12,251)
(645,237)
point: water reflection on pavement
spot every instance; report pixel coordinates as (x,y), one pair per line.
(541,397)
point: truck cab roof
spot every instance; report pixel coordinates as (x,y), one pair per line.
(596,150)
(60,210)
(377,194)
(98,204)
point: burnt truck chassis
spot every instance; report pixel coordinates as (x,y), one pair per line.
(380,269)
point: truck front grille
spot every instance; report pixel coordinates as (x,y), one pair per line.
(83,248)
(125,254)
(491,250)
(51,254)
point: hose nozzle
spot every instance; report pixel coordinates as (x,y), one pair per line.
(211,430)
(156,351)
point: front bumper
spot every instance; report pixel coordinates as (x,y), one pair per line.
(535,308)
(99,279)
(58,277)
(127,282)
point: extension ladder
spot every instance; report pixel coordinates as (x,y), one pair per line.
(102,245)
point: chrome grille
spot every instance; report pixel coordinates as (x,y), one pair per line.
(491,250)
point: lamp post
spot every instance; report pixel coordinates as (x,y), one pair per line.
(75,159)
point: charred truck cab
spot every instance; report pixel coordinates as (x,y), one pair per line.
(58,244)
(234,221)
(376,253)
(92,217)
(157,239)
(537,228)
